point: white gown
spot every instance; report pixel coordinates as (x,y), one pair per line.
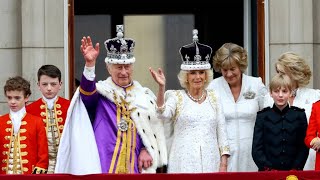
(240,119)
(199,134)
(305,97)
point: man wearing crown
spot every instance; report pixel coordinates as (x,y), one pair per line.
(128,136)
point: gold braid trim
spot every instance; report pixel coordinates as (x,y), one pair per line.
(223,150)
(117,146)
(86,92)
(39,170)
(179,106)
(124,165)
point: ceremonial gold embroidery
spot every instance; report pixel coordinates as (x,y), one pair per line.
(14,156)
(43,106)
(24,153)
(60,119)
(7,137)
(23,138)
(87,93)
(224,149)
(59,112)
(124,113)
(43,114)
(116,149)
(179,105)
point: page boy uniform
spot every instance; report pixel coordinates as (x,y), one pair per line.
(278,142)
(23,144)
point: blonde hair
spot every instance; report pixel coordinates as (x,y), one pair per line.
(228,54)
(183,77)
(279,81)
(295,66)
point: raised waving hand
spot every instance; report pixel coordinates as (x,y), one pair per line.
(160,78)
(89,52)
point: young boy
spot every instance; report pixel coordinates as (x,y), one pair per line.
(279,132)
(51,108)
(23,140)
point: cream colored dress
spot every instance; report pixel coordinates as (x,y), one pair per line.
(240,119)
(305,97)
(198,133)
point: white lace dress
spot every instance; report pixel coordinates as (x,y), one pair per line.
(199,135)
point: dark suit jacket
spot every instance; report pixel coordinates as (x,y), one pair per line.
(278,140)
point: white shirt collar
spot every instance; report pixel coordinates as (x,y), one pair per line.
(50,102)
(16,118)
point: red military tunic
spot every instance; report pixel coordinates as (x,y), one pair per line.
(25,152)
(314,129)
(53,121)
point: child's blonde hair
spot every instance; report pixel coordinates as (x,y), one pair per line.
(280,80)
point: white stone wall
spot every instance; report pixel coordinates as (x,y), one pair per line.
(293,26)
(10,44)
(316,43)
(33,36)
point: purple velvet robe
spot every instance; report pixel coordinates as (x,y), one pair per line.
(105,126)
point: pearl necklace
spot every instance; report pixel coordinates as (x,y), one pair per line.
(196,99)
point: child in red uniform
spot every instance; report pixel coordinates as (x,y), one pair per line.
(51,108)
(312,139)
(23,140)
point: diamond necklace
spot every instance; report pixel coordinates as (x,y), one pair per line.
(196,99)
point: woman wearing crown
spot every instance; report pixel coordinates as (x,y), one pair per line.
(195,125)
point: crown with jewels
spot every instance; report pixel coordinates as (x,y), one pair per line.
(120,49)
(195,56)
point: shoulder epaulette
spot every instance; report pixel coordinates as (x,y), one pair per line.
(295,108)
(264,109)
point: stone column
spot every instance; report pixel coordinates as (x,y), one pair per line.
(316,45)
(291,29)
(42,39)
(10,45)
